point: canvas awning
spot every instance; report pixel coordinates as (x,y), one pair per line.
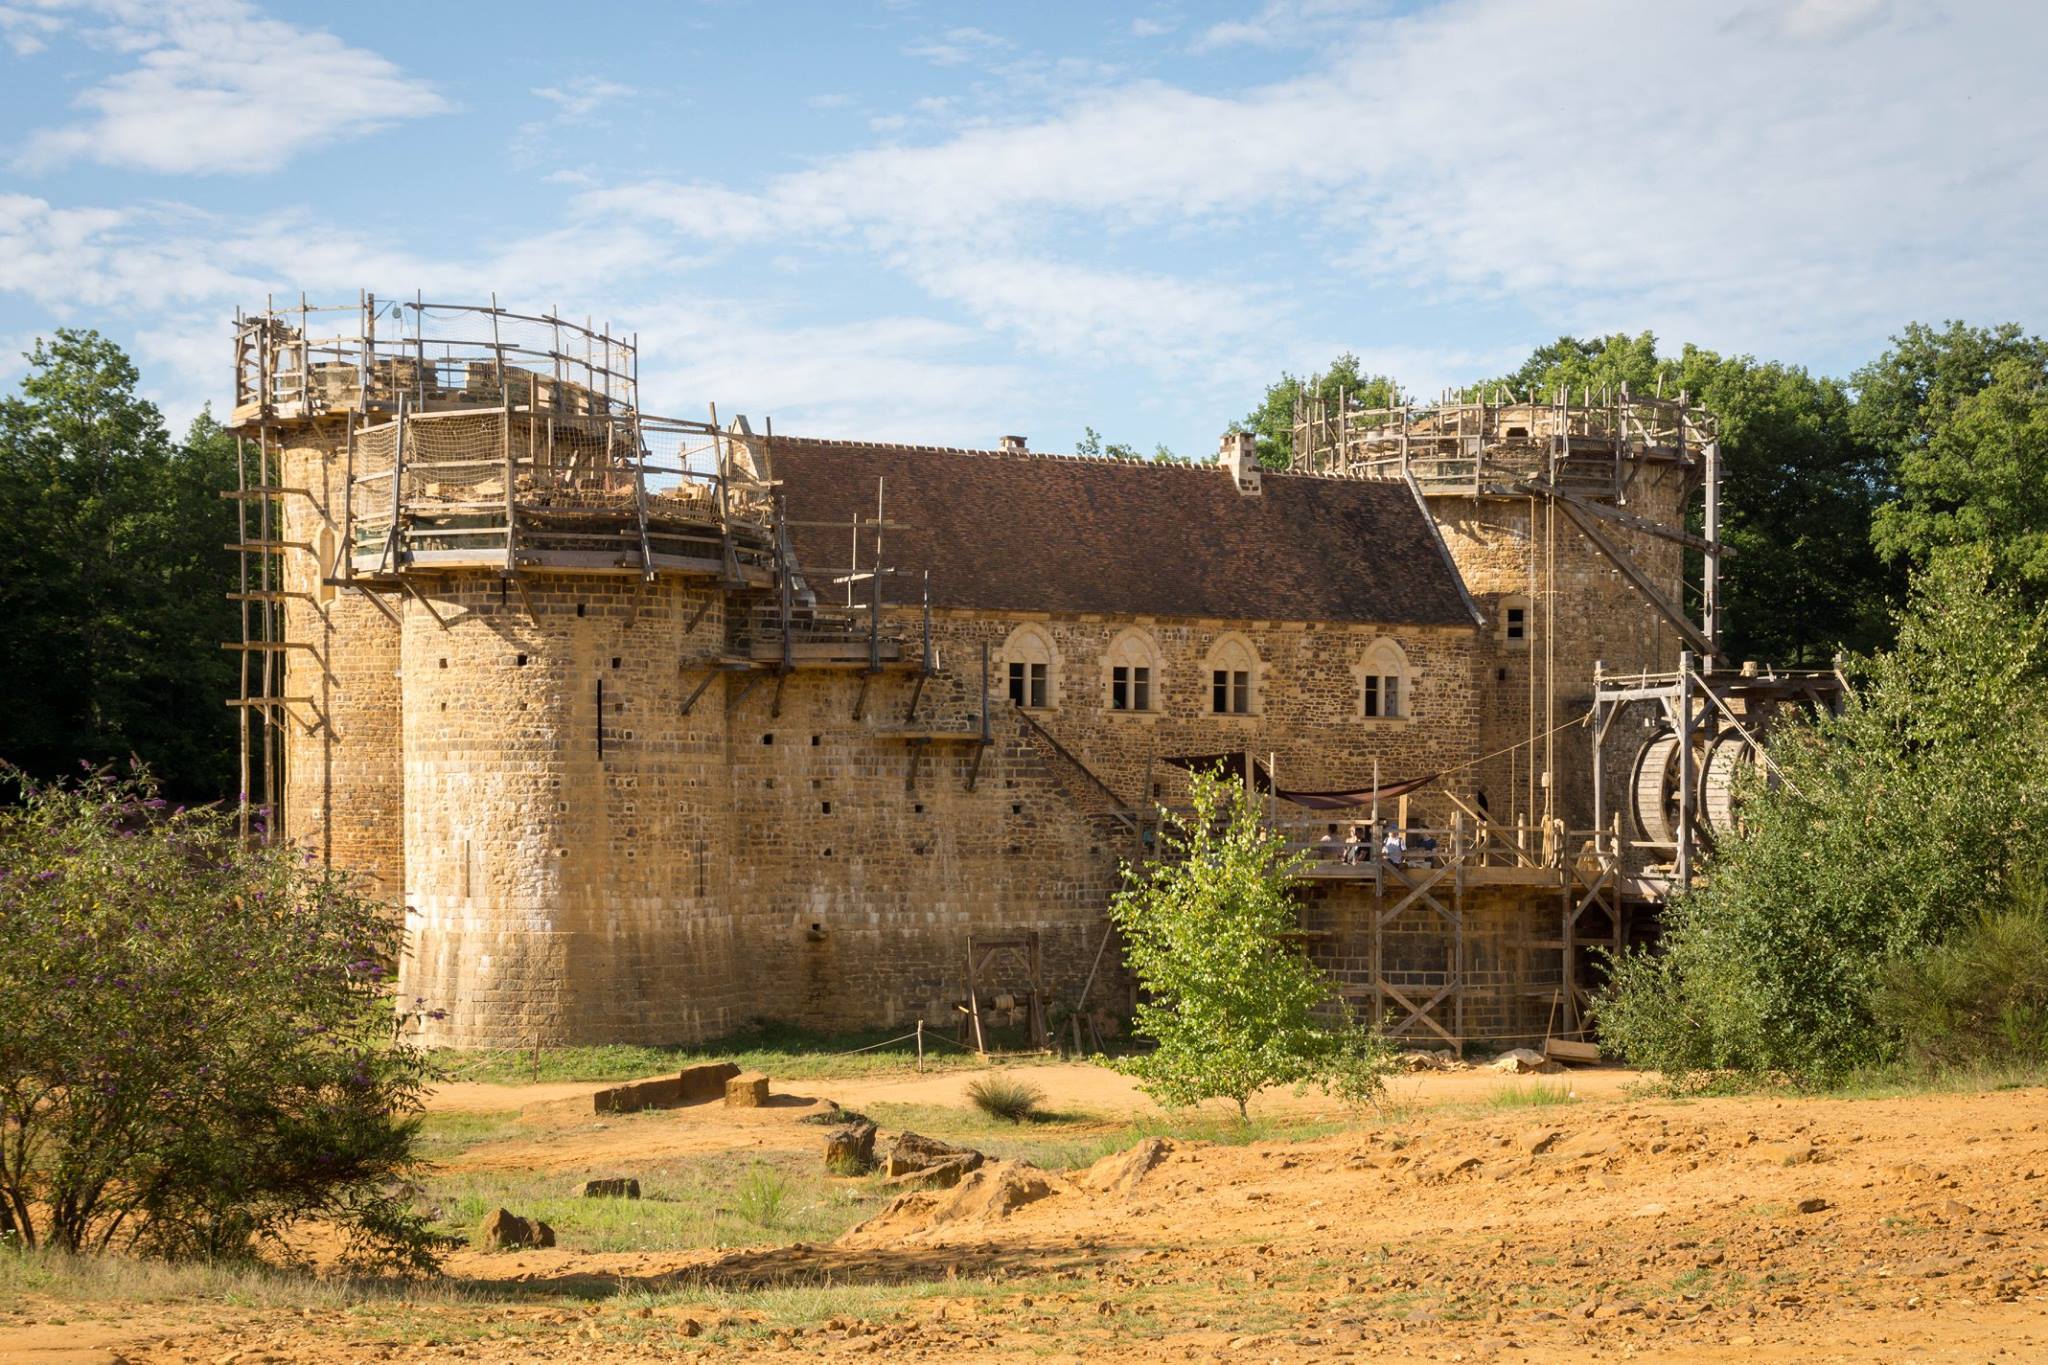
(1232,766)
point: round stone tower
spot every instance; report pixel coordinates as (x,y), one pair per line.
(1566,519)
(500,587)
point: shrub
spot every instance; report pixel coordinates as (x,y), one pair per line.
(1005,1097)
(760,1196)
(1916,803)
(1978,999)
(198,1050)
(1210,932)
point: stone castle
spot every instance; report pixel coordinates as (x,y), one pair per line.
(655,727)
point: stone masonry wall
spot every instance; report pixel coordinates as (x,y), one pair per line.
(567,828)
(1308,710)
(863,862)
(348,768)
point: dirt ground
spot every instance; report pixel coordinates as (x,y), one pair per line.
(1620,1225)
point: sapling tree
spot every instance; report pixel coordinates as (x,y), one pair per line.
(1234,1005)
(198,1045)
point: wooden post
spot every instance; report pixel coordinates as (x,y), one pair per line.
(920,1044)
(1685,770)
(1710,624)
(974,1001)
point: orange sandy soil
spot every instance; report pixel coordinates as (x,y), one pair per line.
(1624,1226)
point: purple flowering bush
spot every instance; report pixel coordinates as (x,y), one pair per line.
(199,1049)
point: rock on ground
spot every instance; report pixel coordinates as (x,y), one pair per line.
(504,1230)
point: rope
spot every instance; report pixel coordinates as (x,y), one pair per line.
(1473,763)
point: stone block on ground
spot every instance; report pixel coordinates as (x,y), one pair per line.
(610,1187)
(505,1230)
(1522,1060)
(914,1152)
(851,1147)
(748,1090)
(705,1081)
(691,1085)
(940,1175)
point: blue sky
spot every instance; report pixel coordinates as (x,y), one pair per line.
(942,223)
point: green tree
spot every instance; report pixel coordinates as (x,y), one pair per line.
(1896,821)
(1210,933)
(112,574)
(199,1048)
(1979,478)
(1092,444)
(1908,393)
(1273,419)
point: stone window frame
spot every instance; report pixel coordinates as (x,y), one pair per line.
(1233,653)
(1030,644)
(1504,627)
(1134,649)
(1382,659)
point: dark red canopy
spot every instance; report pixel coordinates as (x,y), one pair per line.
(1232,765)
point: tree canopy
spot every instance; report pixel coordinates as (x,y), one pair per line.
(1895,822)
(1272,421)
(1210,932)
(113,571)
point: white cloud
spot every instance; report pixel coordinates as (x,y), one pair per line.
(1282,22)
(1778,194)
(1152,28)
(217,88)
(957,46)
(28,31)
(580,98)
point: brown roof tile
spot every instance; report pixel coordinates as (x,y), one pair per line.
(1009,532)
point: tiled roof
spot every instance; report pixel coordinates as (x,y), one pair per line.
(1001,531)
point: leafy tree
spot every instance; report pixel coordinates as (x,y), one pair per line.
(1979,997)
(1210,933)
(1907,394)
(1897,819)
(1273,419)
(1979,478)
(199,1046)
(1092,444)
(112,574)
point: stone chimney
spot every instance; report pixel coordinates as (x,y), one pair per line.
(1013,445)
(1239,453)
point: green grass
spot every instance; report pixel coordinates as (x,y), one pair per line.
(783,1052)
(1531,1095)
(686,1202)
(1060,1141)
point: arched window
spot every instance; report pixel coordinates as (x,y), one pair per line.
(1233,673)
(1131,666)
(1513,625)
(1383,682)
(1030,667)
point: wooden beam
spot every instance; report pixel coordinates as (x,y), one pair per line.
(1627,519)
(1633,572)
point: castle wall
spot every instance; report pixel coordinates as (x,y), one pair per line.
(1309,712)
(862,862)
(567,828)
(1592,614)
(349,767)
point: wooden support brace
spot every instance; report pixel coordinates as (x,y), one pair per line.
(1638,579)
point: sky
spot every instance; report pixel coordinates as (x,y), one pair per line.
(917,221)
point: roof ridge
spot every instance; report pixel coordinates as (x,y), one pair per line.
(1128,461)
